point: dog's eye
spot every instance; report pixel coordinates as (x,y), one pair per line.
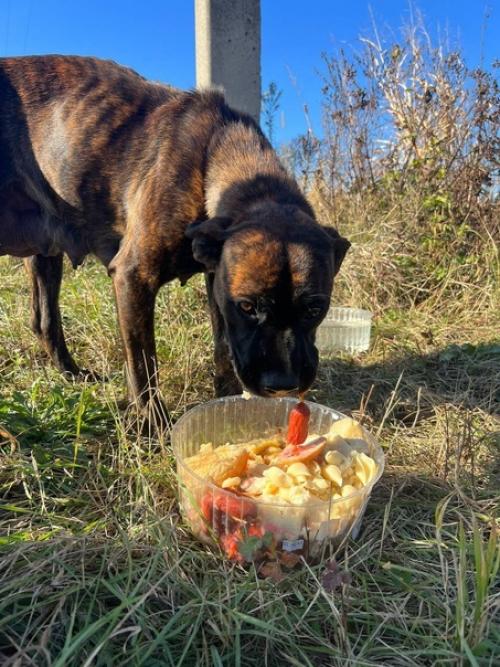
(247,307)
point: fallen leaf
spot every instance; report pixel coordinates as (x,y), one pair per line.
(333,577)
(272,570)
(289,560)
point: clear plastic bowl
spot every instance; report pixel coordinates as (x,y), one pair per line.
(344,329)
(300,529)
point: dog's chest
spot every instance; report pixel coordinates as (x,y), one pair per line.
(27,233)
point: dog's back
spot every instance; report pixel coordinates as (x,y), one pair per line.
(78,136)
(40,80)
(56,109)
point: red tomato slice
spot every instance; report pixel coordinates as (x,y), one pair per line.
(302,453)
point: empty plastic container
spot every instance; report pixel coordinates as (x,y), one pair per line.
(344,329)
(214,514)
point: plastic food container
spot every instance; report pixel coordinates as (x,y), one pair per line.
(299,529)
(344,329)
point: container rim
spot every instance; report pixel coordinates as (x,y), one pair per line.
(354,311)
(365,491)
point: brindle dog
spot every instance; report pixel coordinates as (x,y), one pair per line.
(161,184)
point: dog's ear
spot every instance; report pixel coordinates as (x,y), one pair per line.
(340,247)
(208,237)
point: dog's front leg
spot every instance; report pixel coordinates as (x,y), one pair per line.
(135,301)
(225,381)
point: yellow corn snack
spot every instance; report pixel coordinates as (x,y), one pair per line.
(300,480)
(271,489)
(333,474)
(272,451)
(283,493)
(299,496)
(347,489)
(298,470)
(347,428)
(231,482)
(347,472)
(257,469)
(253,486)
(318,483)
(259,447)
(255,462)
(365,467)
(335,458)
(277,476)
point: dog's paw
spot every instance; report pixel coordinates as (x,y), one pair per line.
(148,421)
(83,375)
(91,376)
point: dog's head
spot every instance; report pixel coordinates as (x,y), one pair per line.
(273,280)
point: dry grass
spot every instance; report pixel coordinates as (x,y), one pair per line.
(96,566)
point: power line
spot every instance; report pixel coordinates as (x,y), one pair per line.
(7,29)
(28,25)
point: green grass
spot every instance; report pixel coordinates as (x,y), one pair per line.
(97,568)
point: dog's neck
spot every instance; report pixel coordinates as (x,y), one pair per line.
(243,171)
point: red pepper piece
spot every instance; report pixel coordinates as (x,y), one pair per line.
(223,510)
(236,507)
(207,506)
(298,424)
(230,543)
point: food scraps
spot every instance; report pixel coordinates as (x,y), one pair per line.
(252,484)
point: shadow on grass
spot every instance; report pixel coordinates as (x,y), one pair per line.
(466,376)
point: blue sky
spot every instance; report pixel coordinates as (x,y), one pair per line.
(156,37)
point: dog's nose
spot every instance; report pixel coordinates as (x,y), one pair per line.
(279,384)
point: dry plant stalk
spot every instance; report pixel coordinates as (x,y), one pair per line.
(408,168)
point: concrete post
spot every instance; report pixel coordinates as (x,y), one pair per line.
(228,50)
